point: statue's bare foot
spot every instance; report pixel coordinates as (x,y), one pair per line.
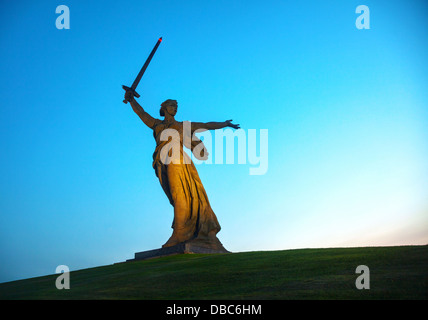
(171,242)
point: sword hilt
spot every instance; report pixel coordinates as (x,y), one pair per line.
(134,93)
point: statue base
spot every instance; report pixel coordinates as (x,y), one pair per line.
(191,246)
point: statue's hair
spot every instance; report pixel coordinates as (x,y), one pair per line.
(164,105)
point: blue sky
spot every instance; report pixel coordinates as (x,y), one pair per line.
(346,111)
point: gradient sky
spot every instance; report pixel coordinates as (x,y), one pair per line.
(346,111)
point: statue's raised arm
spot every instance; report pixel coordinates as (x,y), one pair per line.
(147,119)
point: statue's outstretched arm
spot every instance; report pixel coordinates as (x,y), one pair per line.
(147,119)
(202,126)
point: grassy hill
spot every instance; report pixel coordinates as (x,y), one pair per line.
(395,273)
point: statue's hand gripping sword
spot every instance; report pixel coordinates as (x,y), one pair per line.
(140,74)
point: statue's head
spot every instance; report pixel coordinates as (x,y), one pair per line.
(168,106)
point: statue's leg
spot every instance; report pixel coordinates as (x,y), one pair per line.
(184,226)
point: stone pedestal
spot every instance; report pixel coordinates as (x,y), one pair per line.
(192,246)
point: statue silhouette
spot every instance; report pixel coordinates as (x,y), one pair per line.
(194,220)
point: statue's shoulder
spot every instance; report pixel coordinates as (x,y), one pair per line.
(156,122)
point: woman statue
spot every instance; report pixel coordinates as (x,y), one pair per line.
(194,220)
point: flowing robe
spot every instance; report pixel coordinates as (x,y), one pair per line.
(194,218)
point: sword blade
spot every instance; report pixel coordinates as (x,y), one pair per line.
(140,74)
(146,64)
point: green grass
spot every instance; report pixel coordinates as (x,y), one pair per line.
(395,273)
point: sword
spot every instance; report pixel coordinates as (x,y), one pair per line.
(140,74)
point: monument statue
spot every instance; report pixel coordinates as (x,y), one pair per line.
(195,223)
(194,220)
